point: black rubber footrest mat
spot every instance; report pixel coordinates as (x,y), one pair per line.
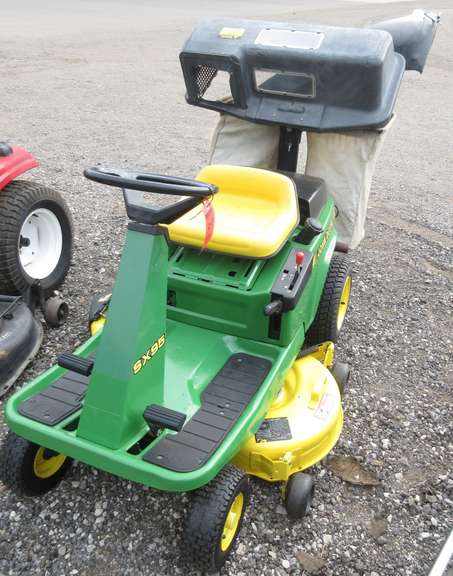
(58,401)
(223,401)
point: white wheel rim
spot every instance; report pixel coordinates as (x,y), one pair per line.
(40,243)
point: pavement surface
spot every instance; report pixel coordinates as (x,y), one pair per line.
(92,81)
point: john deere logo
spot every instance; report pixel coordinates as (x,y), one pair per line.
(323,242)
(146,357)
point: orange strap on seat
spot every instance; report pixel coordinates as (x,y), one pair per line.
(209,218)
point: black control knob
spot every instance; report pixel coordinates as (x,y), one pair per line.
(274,307)
(312,227)
(5,149)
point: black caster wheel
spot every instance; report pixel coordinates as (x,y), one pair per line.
(299,494)
(341,372)
(30,469)
(55,311)
(214,520)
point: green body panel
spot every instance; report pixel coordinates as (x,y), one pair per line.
(228,294)
(193,356)
(116,396)
(212,314)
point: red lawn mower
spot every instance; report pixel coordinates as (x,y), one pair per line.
(35,254)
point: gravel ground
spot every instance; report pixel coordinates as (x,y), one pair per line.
(100,81)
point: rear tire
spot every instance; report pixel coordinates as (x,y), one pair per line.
(334,303)
(30,469)
(19,264)
(214,520)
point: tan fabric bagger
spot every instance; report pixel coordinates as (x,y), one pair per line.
(346,161)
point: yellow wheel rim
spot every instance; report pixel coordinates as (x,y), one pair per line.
(232,522)
(344,302)
(96,325)
(46,467)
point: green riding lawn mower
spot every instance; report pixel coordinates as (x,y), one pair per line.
(213,358)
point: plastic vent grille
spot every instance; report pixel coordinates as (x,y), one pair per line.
(204,75)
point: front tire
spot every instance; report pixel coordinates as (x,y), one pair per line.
(35,237)
(30,469)
(214,520)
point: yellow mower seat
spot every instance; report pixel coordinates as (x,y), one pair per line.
(255,213)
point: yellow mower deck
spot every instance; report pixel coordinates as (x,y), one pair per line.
(303,424)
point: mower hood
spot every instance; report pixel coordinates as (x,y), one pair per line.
(20,338)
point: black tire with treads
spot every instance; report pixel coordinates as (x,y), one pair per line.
(324,326)
(206,519)
(16,467)
(17,200)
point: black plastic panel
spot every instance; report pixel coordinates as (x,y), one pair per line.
(20,336)
(311,194)
(289,286)
(319,78)
(274,430)
(223,402)
(58,401)
(412,36)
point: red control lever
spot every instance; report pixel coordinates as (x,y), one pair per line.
(299,258)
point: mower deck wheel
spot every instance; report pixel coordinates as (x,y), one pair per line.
(214,520)
(55,311)
(341,372)
(299,492)
(30,469)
